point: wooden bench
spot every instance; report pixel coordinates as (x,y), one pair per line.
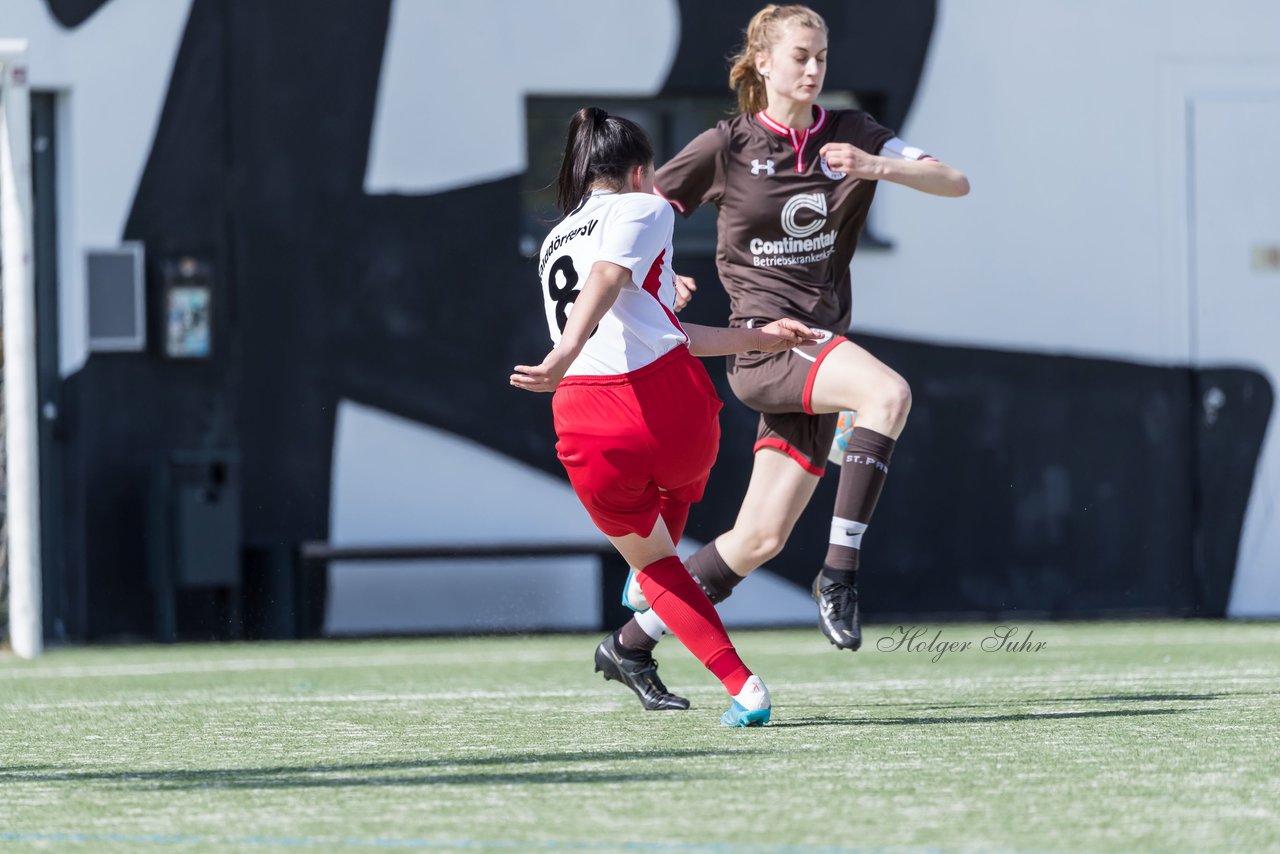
(314,558)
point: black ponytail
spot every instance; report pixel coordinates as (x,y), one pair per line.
(600,149)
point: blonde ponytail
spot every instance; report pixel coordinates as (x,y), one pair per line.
(762,32)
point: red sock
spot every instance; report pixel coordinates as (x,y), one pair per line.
(689,614)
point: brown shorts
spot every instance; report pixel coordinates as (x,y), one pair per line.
(779,386)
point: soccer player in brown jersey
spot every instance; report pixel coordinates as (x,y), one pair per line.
(792,184)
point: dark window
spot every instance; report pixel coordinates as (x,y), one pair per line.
(670,123)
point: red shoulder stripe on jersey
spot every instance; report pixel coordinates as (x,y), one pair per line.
(784,447)
(673,202)
(653,282)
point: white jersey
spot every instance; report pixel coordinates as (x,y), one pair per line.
(632,230)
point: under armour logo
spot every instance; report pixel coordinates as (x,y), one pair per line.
(757,167)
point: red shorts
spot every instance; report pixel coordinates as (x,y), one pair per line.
(623,438)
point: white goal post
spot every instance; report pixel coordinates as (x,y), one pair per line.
(22,473)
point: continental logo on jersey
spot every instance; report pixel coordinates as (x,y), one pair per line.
(792,210)
(803,216)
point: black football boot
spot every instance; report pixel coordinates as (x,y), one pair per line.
(838,611)
(636,669)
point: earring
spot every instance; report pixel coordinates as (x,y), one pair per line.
(764,74)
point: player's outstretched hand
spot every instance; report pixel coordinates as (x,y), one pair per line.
(544,377)
(685,286)
(787,333)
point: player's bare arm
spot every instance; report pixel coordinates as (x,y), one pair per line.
(598,294)
(780,335)
(926,175)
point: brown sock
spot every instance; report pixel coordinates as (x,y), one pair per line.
(713,575)
(862,476)
(631,636)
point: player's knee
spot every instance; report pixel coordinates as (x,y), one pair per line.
(762,544)
(892,399)
(898,399)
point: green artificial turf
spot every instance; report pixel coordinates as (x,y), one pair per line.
(1152,736)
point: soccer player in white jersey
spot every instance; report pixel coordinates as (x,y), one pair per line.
(636,416)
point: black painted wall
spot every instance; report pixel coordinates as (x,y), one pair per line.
(1023,481)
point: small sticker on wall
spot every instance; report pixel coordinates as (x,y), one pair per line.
(1266,258)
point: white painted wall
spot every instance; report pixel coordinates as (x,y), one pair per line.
(1055,110)
(453,67)
(112,73)
(1235,222)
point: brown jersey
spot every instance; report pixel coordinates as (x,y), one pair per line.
(788,224)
